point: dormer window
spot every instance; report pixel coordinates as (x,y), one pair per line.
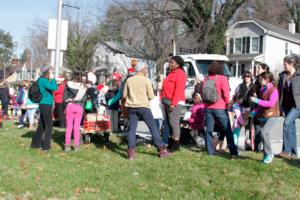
(238,45)
(255,45)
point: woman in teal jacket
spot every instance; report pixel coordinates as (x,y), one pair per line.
(47,84)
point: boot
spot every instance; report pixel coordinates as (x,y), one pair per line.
(175,146)
(163,152)
(170,143)
(131,153)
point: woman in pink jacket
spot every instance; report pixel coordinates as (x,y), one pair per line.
(218,109)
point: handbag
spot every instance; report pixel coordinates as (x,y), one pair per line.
(166,101)
(88,105)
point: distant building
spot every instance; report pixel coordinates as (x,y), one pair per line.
(15,72)
(112,56)
(254,41)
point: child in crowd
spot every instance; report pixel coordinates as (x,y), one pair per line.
(15,106)
(157,111)
(238,121)
(267,112)
(196,120)
(31,109)
(21,101)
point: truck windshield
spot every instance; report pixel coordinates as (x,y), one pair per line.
(202,66)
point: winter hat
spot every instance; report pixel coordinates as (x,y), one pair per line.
(139,67)
(179,60)
(99,87)
(60,78)
(44,70)
(131,71)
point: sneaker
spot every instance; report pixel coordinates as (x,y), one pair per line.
(67,148)
(20,126)
(76,148)
(268,159)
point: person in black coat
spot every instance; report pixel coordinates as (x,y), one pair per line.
(5,98)
(114,105)
(243,90)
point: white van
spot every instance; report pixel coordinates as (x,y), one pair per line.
(197,64)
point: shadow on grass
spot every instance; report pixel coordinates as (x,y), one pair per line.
(293,162)
(100,143)
(58,136)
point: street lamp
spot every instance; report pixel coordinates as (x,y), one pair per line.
(58,35)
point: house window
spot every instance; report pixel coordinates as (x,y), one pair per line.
(231,43)
(261,43)
(18,75)
(238,45)
(255,44)
(286,48)
(246,45)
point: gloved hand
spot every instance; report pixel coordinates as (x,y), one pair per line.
(252,114)
(254,100)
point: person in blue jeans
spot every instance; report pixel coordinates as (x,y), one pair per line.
(289,92)
(217,111)
(137,93)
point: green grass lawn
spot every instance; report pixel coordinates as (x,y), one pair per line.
(101,171)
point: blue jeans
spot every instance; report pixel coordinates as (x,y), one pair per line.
(147,116)
(166,131)
(222,116)
(289,130)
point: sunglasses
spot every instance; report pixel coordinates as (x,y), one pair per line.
(246,76)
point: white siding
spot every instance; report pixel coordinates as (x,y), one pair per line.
(275,52)
(247,29)
(119,61)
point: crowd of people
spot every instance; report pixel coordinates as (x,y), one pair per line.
(260,99)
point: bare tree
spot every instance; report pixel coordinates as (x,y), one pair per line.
(276,11)
(37,42)
(294,11)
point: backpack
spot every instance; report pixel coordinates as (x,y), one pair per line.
(34,93)
(209,92)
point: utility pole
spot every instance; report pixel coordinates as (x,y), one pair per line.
(58,37)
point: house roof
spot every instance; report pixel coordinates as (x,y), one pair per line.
(276,29)
(243,57)
(9,70)
(125,49)
(273,30)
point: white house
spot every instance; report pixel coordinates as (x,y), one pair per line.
(15,72)
(111,56)
(254,41)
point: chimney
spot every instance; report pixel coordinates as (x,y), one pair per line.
(292,27)
(14,60)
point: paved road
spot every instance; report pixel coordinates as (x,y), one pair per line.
(276,137)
